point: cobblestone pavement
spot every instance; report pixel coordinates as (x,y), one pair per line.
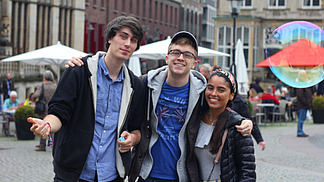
(289,158)
(285,159)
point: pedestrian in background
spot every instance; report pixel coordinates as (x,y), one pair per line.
(257,87)
(0,95)
(49,87)
(304,102)
(204,69)
(9,107)
(29,101)
(253,96)
(93,106)
(320,89)
(7,86)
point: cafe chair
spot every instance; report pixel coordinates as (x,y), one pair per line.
(268,110)
(279,112)
(6,124)
(257,113)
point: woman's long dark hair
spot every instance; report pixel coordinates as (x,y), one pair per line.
(216,139)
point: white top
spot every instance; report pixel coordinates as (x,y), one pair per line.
(204,157)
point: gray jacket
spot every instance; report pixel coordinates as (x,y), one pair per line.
(49,89)
(154,82)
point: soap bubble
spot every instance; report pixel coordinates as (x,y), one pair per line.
(296,54)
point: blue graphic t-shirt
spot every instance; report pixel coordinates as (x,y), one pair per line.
(171,111)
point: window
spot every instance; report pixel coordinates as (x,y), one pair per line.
(150,9)
(115,5)
(277,3)
(176,16)
(243,33)
(144,8)
(255,46)
(137,7)
(171,15)
(224,45)
(123,5)
(166,13)
(156,10)
(247,4)
(161,11)
(311,4)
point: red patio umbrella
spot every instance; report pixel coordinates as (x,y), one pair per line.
(303,53)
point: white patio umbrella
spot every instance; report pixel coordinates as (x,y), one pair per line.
(158,50)
(241,71)
(57,54)
(134,65)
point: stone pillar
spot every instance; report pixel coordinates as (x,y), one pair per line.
(78,25)
(54,22)
(5,23)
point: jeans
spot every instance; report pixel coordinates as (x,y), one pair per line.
(301,118)
(118,179)
(149,179)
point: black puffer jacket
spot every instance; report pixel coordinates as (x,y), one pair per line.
(237,158)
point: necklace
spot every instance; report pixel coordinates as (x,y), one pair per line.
(212,122)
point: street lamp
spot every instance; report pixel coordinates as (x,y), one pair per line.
(235,7)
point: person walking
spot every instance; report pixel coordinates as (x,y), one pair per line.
(221,152)
(93,106)
(49,86)
(304,102)
(7,87)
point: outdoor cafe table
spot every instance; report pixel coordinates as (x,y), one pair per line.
(262,109)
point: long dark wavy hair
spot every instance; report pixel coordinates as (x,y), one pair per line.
(216,139)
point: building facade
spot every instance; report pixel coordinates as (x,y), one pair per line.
(160,19)
(208,23)
(254,25)
(32,24)
(208,27)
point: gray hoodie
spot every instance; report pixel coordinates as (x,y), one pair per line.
(155,81)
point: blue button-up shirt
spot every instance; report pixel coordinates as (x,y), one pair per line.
(102,154)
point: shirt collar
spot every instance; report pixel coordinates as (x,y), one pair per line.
(102,66)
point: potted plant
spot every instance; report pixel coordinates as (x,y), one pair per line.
(22,126)
(318,109)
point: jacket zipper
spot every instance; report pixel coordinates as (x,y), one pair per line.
(93,125)
(123,123)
